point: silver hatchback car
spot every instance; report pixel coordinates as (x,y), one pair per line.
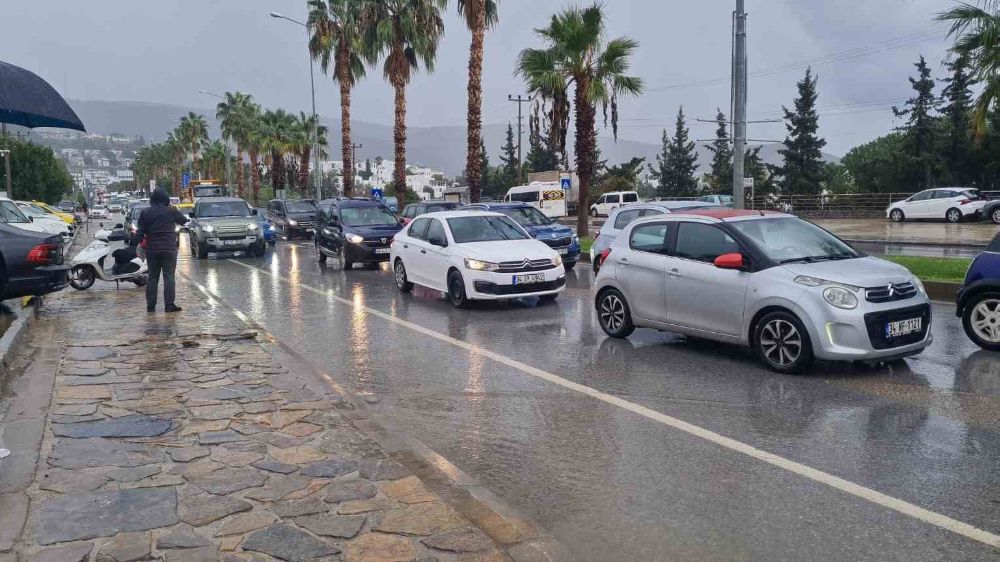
(781,285)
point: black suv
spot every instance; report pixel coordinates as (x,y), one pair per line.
(355,231)
(293,217)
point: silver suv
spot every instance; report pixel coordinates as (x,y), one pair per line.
(224,224)
(781,285)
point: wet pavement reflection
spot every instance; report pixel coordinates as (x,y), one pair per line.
(612,485)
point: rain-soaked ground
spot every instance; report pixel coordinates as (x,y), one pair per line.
(611,484)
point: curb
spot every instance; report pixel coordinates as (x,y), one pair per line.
(16,334)
(976,246)
(942,291)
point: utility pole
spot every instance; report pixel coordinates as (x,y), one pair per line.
(6,171)
(519,100)
(739,102)
(354,157)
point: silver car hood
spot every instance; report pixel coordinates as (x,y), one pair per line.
(860,272)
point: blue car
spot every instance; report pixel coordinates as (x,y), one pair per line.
(559,237)
(979,298)
(266,228)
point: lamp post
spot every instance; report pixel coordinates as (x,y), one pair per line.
(312,89)
(229,177)
(6,169)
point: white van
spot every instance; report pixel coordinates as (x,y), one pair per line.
(611,201)
(547,197)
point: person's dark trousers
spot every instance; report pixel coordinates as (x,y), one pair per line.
(165,262)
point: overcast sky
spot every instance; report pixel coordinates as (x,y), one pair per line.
(166,51)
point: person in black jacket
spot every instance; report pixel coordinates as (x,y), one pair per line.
(157,225)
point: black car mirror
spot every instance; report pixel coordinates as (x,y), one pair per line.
(334,220)
(253,212)
(438,241)
(31,219)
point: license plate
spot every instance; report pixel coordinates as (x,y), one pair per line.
(381,250)
(903,327)
(233,242)
(563,251)
(528,279)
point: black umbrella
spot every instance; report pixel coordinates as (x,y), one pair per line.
(29,101)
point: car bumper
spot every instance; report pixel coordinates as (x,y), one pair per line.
(232,244)
(361,253)
(482,285)
(41,281)
(859,335)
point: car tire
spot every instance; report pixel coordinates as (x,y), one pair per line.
(995,215)
(548,298)
(260,249)
(402,281)
(456,290)
(953,215)
(82,277)
(569,265)
(202,251)
(897,215)
(614,314)
(593,213)
(345,263)
(140,281)
(782,343)
(973,315)
(320,256)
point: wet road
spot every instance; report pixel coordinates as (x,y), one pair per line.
(614,483)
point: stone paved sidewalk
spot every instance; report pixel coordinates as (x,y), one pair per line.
(180,438)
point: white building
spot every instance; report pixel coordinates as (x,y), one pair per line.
(124,175)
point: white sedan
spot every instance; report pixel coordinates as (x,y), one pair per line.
(475,256)
(949,203)
(98,212)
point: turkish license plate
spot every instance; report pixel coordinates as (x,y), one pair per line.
(233,242)
(903,327)
(528,279)
(563,251)
(381,250)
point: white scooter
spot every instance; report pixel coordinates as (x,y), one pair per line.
(108,258)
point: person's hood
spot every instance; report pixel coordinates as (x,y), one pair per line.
(860,272)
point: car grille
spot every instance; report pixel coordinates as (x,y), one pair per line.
(558,242)
(875,323)
(305,224)
(891,293)
(494,289)
(524,265)
(378,242)
(230,230)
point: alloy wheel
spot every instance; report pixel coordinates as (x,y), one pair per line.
(781,342)
(613,312)
(400,275)
(985,320)
(996,216)
(954,215)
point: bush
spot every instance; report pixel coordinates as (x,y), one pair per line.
(35,172)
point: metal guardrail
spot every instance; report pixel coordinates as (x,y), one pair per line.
(836,205)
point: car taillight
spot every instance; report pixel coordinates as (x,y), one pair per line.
(604,255)
(43,254)
(964,201)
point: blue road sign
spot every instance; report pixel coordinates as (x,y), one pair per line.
(185,179)
(564,183)
(376,193)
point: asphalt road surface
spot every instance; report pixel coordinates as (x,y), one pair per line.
(658,447)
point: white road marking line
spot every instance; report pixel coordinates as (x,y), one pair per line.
(857,490)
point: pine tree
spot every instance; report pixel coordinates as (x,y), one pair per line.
(661,172)
(958,112)
(920,128)
(721,177)
(511,167)
(756,168)
(802,171)
(677,163)
(542,155)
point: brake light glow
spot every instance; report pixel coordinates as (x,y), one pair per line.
(43,254)
(964,201)
(604,255)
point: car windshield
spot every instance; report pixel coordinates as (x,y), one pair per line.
(11,213)
(367,216)
(67,206)
(484,229)
(302,206)
(29,210)
(527,216)
(789,240)
(208,191)
(223,209)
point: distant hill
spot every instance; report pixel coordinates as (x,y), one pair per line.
(436,147)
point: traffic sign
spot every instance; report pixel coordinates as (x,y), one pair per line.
(747,182)
(185,179)
(565,182)
(376,193)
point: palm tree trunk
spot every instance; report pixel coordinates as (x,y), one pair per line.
(255,174)
(585,146)
(240,188)
(473,160)
(346,144)
(277,170)
(399,138)
(304,156)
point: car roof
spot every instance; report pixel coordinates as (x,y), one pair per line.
(500,205)
(724,214)
(458,214)
(355,203)
(220,200)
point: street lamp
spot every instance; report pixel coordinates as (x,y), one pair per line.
(229,176)
(6,168)
(312,89)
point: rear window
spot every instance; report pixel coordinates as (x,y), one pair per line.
(625,217)
(974,195)
(630,197)
(649,238)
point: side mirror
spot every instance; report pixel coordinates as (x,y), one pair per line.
(31,219)
(334,220)
(730,261)
(438,241)
(402,221)
(253,212)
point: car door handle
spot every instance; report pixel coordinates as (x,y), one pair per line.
(623,261)
(675,273)
(423,251)
(406,245)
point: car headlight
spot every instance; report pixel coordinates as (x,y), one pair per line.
(840,297)
(919,285)
(252,226)
(557,260)
(355,239)
(208,228)
(292,222)
(177,228)
(480,265)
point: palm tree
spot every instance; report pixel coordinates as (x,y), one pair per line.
(275,138)
(233,113)
(976,30)
(479,16)
(407,32)
(194,129)
(577,54)
(174,147)
(305,127)
(213,159)
(337,35)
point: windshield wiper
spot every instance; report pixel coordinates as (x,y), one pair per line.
(803,259)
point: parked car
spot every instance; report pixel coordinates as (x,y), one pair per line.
(414,210)
(355,231)
(293,217)
(391,203)
(781,285)
(979,298)
(68,218)
(31,263)
(952,204)
(99,212)
(720,200)
(66,206)
(611,201)
(132,218)
(114,207)
(266,229)
(556,236)
(622,217)
(11,214)
(224,224)
(475,255)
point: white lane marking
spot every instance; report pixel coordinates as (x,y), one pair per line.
(857,490)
